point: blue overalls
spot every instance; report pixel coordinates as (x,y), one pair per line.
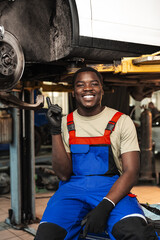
(94,173)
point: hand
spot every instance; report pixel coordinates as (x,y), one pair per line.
(96,220)
(54,116)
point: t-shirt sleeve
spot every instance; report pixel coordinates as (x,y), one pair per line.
(65,135)
(129,141)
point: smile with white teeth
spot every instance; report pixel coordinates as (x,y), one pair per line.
(88,97)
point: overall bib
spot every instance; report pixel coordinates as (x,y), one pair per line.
(94,173)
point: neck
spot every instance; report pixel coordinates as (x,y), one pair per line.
(90,111)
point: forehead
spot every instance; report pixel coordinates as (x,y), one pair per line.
(86,76)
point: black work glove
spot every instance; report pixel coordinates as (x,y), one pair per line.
(54,116)
(96,219)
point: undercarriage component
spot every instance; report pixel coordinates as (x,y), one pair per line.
(12,101)
(141,92)
(11,60)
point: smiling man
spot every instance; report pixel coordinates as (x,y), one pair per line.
(96,156)
(88,92)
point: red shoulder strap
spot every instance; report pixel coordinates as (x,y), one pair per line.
(116,117)
(70,118)
(70,125)
(111,124)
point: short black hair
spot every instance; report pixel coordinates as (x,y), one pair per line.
(87,69)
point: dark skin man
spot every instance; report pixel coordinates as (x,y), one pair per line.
(88,92)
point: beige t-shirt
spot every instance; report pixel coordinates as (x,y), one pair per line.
(123,138)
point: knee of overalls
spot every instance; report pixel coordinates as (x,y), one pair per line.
(50,231)
(134,228)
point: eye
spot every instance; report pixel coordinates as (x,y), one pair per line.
(95,83)
(79,84)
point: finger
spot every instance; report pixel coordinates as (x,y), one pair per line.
(97,229)
(48,101)
(55,109)
(83,222)
(49,113)
(85,231)
(58,108)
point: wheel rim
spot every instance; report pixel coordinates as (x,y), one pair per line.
(11,61)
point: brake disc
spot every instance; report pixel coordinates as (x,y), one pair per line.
(11,60)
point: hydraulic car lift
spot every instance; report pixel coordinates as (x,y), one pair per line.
(142,64)
(135,72)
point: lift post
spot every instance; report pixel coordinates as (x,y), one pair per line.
(22,162)
(15,171)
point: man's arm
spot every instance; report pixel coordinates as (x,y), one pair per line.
(130,166)
(61,160)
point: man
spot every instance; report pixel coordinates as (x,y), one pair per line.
(153,109)
(97,159)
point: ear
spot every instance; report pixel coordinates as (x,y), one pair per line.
(102,92)
(72,93)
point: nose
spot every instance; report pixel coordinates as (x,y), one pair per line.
(87,87)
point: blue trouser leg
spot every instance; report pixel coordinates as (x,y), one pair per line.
(75,198)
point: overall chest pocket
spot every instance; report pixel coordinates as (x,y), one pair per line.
(90,159)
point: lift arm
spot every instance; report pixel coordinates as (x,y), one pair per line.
(136,65)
